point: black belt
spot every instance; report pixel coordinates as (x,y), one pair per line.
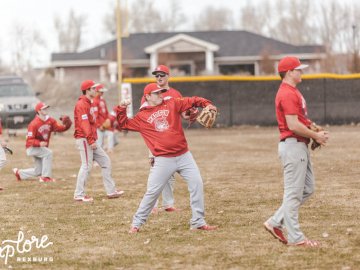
(283,140)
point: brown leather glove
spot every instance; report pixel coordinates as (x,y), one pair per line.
(316,128)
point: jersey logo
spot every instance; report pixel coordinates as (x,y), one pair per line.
(93,113)
(161,124)
(84,117)
(159,120)
(45,130)
(29,134)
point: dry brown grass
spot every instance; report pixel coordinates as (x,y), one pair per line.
(243,186)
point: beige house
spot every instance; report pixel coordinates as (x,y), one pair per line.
(186,53)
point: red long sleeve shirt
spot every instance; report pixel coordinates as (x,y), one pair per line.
(160,126)
(40,131)
(85,120)
(102,111)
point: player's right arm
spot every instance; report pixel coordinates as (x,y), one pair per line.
(299,128)
(124,122)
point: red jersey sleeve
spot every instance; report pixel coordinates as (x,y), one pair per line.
(31,137)
(58,127)
(183,104)
(124,122)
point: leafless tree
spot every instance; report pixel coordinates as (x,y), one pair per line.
(145,19)
(69,31)
(26,44)
(295,24)
(212,18)
(257,19)
(110,21)
(174,17)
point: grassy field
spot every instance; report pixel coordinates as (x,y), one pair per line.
(243,187)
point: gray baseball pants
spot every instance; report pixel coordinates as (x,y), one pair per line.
(87,157)
(164,168)
(43,163)
(2,158)
(101,138)
(299,184)
(168,193)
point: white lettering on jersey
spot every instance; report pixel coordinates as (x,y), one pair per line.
(304,105)
(45,130)
(157,114)
(92,112)
(29,134)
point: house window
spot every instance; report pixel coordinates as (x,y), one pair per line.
(182,68)
(239,69)
(138,72)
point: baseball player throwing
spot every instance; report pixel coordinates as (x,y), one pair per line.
(159,123)
(162,75)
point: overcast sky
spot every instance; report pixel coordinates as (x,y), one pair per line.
(39,14)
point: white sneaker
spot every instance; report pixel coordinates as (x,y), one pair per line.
(85,198)
(116,194)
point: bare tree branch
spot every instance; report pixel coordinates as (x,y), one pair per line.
(69,31)
(214,19)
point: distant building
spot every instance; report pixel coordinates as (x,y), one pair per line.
(186,53)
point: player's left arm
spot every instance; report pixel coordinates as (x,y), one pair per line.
(57,127)
(185,103)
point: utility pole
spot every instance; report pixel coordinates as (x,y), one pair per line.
(119,46)
(356,51)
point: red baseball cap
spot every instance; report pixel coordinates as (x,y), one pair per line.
(85,85)
(290,63)
(100,88)
(153,88)
(41,106)
(161,68)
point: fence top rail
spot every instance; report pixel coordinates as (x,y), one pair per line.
(244,78)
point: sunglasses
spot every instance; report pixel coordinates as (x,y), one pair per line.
(160,75)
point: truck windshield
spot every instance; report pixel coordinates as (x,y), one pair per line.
(15,90)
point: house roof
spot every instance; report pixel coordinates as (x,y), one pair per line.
(230,43)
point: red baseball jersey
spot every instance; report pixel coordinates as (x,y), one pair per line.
(289,101)
(160,126)
(114,125)
(170,93)
(40,131)
(101,109)
(85,120)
